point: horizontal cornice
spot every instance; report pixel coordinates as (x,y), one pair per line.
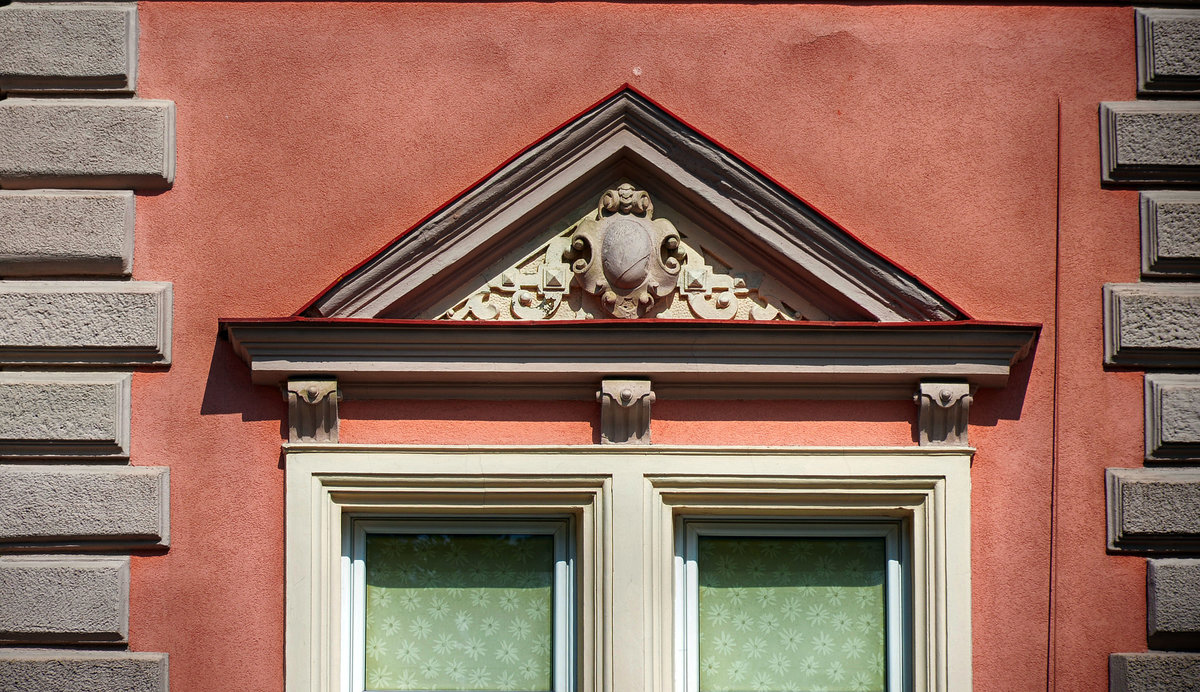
(380,359)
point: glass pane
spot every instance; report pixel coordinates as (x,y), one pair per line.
(784,614)
(459,612)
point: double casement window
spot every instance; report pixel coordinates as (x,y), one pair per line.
(587,570)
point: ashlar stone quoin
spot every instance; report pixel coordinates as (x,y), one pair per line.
(68,47)
(83,507)
(64,414)
(87,143)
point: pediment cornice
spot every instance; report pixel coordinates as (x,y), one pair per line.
(379,359)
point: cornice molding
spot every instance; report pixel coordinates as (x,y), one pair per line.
(375,359)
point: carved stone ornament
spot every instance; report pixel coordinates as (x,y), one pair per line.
(624,255)
(625,411)
(313,410)
(942,410)
(620,261)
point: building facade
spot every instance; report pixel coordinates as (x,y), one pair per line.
(681,346)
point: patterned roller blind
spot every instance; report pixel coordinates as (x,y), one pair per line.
(786,614)
(459,612)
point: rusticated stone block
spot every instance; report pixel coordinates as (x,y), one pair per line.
(1168,42)
(87,143)
(1172,417)
(65,670)
(1150,142)
(1171,233)
(1154,672)
(68,47)
(64,599)
(63,414)
(66,232)
(1152,324)
(1153,510)
(83,506)
(101,322)
(1173,604)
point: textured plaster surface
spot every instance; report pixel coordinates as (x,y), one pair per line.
(64,599)
(849,106)
(62,46)
(62,670)
(65,232)
(1173,603)
(1179,229)
(91,143)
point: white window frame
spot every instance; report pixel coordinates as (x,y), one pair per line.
(687,582)
(625,503)
(354,599)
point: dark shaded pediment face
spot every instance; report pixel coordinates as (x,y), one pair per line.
(627,213)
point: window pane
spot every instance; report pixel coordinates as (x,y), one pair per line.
(459,612)
(791,613)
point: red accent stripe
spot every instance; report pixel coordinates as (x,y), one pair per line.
(481,324)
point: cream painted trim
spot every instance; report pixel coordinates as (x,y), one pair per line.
(622,498)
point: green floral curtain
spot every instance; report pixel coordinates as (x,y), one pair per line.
(791,613)
(459,612)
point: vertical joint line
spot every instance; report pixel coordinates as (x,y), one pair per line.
(1052,592)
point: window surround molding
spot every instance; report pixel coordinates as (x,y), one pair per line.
(625,502)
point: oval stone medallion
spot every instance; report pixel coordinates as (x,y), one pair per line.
(626,251)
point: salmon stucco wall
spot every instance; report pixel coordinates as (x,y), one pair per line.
(959,141)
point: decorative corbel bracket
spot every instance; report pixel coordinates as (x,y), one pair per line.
(313,410)
(625,411)
(942,409)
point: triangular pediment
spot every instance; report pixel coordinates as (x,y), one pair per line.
(553,234)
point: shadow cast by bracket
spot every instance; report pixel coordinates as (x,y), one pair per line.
(990,406)
(228,389)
